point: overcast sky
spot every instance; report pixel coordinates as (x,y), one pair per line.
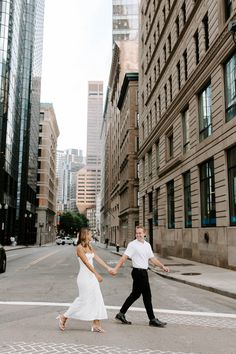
(77,48)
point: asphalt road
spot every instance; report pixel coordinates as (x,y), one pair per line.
(41,282)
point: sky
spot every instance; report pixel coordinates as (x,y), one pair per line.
(77,48)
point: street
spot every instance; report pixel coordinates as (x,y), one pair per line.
(41,282)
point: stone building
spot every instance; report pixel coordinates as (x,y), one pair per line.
(118,200)
(187,130)
(47,181)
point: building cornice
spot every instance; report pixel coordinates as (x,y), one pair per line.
(128,77)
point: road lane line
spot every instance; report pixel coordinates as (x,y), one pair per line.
(42,258)
(135,309)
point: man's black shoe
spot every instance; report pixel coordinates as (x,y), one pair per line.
(121,317)
(156,323)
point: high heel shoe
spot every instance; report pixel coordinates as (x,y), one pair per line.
(97,329)
(61,322)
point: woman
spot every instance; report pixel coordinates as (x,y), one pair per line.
(89,306)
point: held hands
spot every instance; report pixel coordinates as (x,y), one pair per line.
(112,271)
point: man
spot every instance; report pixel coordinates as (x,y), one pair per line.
(140,253)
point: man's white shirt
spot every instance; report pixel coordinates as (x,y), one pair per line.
(140,253)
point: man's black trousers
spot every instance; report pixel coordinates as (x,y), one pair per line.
(140,286)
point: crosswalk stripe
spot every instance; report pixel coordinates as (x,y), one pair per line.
(116,308)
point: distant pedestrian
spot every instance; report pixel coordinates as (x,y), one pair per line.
(140,253)
(106,242)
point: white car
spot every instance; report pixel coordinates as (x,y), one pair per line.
(64,240)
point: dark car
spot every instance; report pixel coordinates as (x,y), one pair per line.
(3,260)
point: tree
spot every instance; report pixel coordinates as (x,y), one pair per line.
(71,223)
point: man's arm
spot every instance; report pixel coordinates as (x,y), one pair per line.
(119,264)
(157,263)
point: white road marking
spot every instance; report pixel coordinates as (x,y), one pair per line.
(44,257)
(135,309)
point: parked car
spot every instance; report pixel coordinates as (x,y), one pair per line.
(64,240)
(3,260)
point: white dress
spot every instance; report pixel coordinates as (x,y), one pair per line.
(89,305)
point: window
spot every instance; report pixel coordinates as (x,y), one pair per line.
(159,106)
(206,31)
(150,206)
(165,91)
(185,57)
(170,86)
(177,26)
(228,9)
(157,156)
(158,66)
(185,125)
(170,145)
(205,119)
(150,163)
(143,202)
(178,75)
(207,190)
(232,185)
(187,200)
(143,168)
(171,205)
(164,14)
(230,88)
(164,53)
(169,44)
(183,8)
(196,40)
(155,211)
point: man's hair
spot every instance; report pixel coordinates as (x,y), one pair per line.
(140,227)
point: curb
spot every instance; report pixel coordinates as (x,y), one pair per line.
(196,285)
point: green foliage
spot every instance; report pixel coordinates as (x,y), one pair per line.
(71,223)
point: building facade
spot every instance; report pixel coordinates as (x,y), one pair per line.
(69,162)
(128,188)
(187,129)
(89,180)
(118,133)
(47,181)
(125,22)
(20,77)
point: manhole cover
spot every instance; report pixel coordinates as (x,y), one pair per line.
(191,273)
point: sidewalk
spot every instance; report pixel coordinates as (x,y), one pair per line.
(204,276)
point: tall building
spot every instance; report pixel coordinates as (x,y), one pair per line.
(46,181)
(187,129)
(20,79)
(69,162)
(94,123)
(125,22)
(119,203)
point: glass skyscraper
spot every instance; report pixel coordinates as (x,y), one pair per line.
(21,30)
(124,20)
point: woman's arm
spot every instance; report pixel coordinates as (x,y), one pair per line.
(81,255)
(101,262)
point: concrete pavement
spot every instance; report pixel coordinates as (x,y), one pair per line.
(208,277)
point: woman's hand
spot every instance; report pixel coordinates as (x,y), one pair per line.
(99,277)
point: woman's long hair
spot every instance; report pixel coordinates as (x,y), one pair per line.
(83,237)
